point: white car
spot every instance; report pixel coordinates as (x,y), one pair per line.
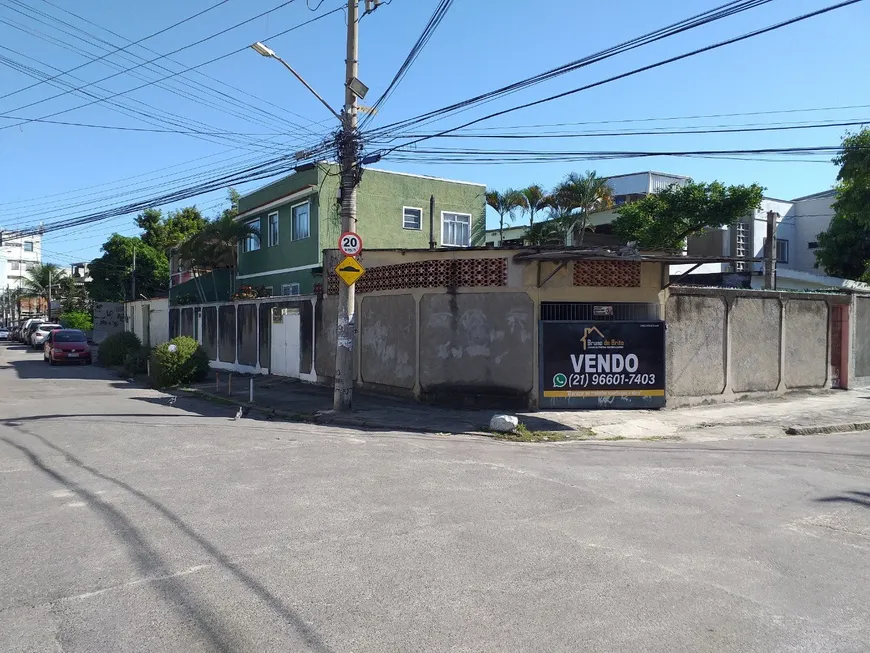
(41,333)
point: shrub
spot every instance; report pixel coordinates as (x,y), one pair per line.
(136,362)
(187,364)
(76,320)
(114,349)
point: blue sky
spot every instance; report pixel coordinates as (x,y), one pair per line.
(52,172)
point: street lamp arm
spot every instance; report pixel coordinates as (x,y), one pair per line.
(308,86)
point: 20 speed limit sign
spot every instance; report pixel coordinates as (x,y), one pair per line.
(350,244)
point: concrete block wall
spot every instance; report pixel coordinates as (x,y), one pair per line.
(727,344)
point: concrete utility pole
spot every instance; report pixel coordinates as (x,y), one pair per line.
(133,277)
(770,254)
(350,171)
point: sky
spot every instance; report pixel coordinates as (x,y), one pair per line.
(811,72)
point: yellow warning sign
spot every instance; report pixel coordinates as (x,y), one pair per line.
(350,270)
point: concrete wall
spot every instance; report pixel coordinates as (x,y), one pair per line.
(108,319)
(388,341)
(226,333)
(861,346)
(153,311)
(724,344)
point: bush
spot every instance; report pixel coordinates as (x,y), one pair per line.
(114,349)
(136,362)
(187,364)
(76,320)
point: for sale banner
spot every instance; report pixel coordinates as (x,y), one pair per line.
(603,359)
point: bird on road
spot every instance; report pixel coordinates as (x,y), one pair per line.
(239,413)
(172,400)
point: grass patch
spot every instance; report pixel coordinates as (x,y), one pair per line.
(613,438)
(663,438)
(524,434)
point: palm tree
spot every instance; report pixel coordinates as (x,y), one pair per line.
(44,281)
(217,246)
(505,204)
(583,195)
(536,200)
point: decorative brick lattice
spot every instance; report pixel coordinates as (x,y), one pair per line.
(620,274)
(429,274)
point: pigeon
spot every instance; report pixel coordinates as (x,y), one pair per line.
(172,400)
(271,414)
(239,413)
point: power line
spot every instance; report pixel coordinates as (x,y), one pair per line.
(635,71)
(434,21)
(718,13)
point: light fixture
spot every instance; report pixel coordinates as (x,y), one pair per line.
(358,88)
(260,48)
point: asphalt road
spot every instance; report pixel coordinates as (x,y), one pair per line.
(129,525)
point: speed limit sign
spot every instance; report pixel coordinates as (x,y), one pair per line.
(350,243)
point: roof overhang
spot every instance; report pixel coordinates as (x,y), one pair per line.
(274,204)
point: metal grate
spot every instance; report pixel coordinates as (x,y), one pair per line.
(599,312)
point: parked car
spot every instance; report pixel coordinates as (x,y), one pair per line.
(28,328)
(66,346)
(4,333)
(40,333)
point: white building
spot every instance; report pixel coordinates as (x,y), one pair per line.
(18,254)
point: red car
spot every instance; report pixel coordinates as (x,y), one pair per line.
(66,346)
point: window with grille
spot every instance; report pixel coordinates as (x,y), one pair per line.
(456,229)
(741,245)
(412,218)
(290,289)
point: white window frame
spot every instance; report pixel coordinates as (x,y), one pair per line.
(246,243)
(293,286)
(405,224)
(784,242)
(293,220)
(277,228)
(456,213)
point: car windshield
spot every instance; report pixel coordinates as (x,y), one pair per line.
(69,336)
(48,327)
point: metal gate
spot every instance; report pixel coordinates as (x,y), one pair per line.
(601,355)
(837,324)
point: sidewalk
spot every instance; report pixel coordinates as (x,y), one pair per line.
(796,414)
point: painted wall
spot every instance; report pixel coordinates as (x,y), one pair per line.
(862,337)
(811,217)
(388,341)
(108,319)
(725,344)
(156,312)
(227,333)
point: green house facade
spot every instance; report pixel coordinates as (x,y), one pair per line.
(299,216)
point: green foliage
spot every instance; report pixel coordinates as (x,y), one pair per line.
(535,200)
(505,204)
(844,249)
(76,320)
(162,233)
(187,364)
(136,362)
(111,272)
(577,197)
(38,280)
(664,220)
(114,349)
(544,233)
(184,300)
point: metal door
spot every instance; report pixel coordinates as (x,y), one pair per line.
(285,343)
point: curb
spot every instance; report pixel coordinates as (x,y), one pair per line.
(330,420)
(830,428)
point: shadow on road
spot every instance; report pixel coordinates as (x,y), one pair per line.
(37,368)
(852,496)
(150,563)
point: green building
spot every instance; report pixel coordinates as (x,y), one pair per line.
(298,217)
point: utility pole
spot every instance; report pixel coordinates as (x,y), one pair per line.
(770,254)
(133,278)
(349,139)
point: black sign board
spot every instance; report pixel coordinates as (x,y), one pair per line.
(602,364)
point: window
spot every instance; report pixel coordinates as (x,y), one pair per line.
(252,242)
(455,229)
(290,289)
(299,222)
(268,290)
(412,218)
(30,266)
(781,250)
(14,265)
(28,245)
(273,229)
(813,244)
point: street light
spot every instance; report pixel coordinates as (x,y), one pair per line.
(266,51)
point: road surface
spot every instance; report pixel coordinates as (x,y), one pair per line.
(130,525)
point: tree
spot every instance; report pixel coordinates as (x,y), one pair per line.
(535,200)
(844,248)
(583,195)
(44,281)
(217,245)
(505,204)
(664,220)
(163,233)
(112,272)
